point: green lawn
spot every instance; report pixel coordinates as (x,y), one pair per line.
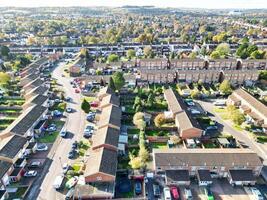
(19,194)
(159,145)
(133,131)
(48,138)
(210,145)
(89,99)
(157,133)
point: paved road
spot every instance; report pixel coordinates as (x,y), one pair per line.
(75,123)
(242,136)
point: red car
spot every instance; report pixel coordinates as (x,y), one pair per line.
(77,91)
(94,104)
(175,192)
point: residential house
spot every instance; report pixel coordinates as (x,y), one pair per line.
(106,137)
(110,116)
(218,162)
(249,105)
(187,126)
(12,150)
(104,166)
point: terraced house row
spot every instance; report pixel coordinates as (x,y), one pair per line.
(17,141)
(195,70)
(101,167)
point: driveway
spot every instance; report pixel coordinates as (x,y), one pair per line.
(242,136)
(75,123)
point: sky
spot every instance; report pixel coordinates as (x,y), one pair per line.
(240,4)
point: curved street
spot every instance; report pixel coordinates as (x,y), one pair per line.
(75,123)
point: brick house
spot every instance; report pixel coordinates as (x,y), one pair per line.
(249,105)
(228,163)
(187,126)
(101,166)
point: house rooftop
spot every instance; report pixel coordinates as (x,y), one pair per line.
(12,145)
(104,161)
(106,135)
(110,115)
(253,102)
(110,99)
(4,167)
(205,157)
(25,121)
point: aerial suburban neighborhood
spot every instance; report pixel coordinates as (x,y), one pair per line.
(127,101)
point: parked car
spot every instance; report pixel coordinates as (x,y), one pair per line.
(68,99)
(63,133)
(70,194)
(30,173)
(56,113)
(72,182)
(35,164)
(74,145)
(188,194)
(167,193)
(42,147)
(88,131)
(68,110)
(94,104)
(175,193)
(256,193)
(156,190)
(138,187)
(208,193)
(58,182)
(51,128)
(65,168)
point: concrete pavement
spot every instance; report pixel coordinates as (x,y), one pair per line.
(75,123)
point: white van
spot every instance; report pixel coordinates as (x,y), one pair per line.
(167,193)
(58,182)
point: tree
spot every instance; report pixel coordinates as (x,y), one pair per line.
(175,139)
(258,54)
(111,84)
(195,94)
(118,80)
(223,49)
(143,154)
(85,106)
(4,51)
(225,87)
(215,55)
(159,120)
(113,58)
(137,117)
(130,53)
(193,55)
(263,75)
(237,117)
(135,162)
(148,53)
(4,78)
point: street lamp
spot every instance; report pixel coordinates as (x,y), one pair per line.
(60,162)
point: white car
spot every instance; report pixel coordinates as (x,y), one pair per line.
(68,110)
(30,173)
(65,168)
(35,164)
(42,147)
(63,133)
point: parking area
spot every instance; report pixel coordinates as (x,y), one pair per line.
(220,189)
